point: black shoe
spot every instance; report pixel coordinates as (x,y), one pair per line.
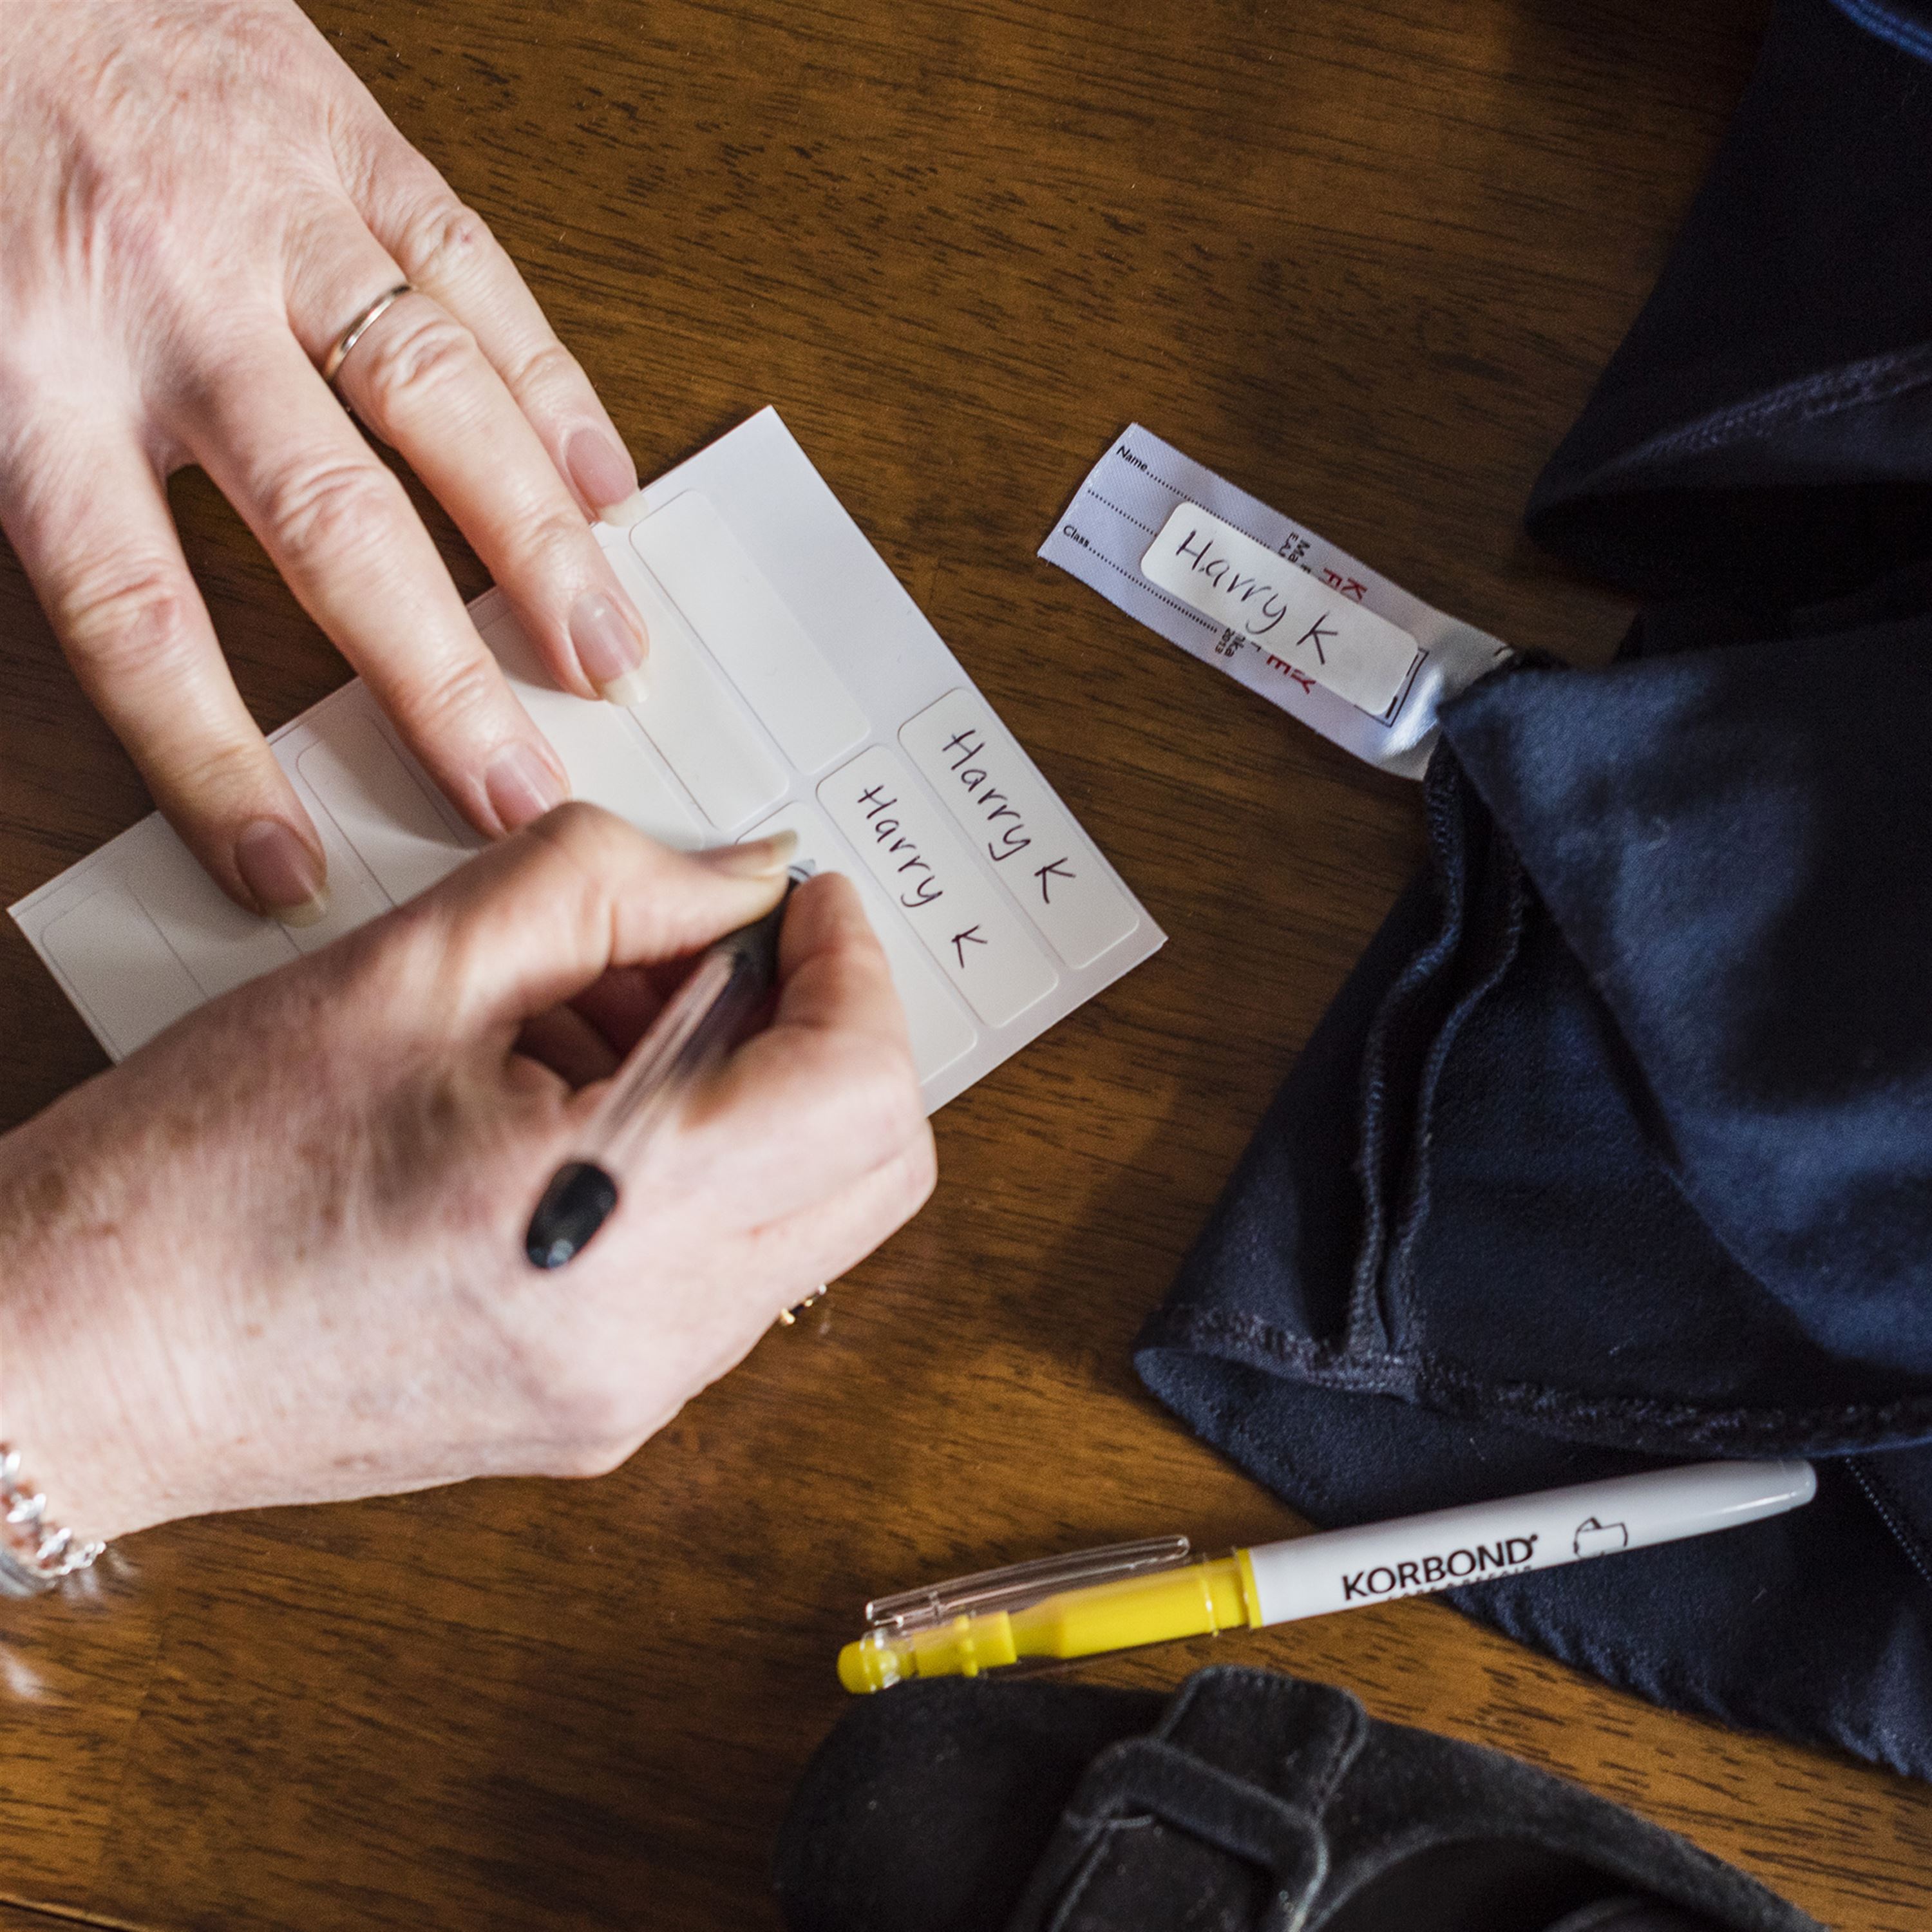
(1247,1802)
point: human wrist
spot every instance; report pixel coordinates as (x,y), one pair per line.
(66,1379)
(70,1445)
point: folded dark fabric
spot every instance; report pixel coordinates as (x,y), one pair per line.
(1247,1802)
(1617,1147)
(1764,431)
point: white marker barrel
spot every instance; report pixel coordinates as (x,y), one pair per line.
(1341,1569)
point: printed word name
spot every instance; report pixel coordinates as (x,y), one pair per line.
(1511,1553)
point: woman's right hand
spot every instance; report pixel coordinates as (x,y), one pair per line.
(277,1255)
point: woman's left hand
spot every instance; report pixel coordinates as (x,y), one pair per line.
(200,199)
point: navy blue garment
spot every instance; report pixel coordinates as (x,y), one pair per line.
(1616,1148)
(1763,431)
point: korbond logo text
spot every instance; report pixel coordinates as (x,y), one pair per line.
(1425,1573)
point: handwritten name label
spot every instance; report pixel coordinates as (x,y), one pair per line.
(941,890)
(941,1033)
(1301,621)
(1023,831)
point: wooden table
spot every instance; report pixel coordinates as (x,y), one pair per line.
(1364,262)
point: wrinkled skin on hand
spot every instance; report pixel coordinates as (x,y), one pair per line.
(277,1256)
(200,198)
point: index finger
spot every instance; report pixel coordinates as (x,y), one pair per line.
(825,1094)
(540,919)
(833,973)
(828,1093)
(344,535)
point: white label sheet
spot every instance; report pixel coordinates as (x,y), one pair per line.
(1237,585)
(793,683)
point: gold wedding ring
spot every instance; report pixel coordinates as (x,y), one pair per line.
(788,1316)
(357,328)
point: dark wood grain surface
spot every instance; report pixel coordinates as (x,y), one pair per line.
(1364,258)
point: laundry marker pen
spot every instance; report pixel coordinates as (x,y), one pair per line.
(1132,1594)
(691,1032)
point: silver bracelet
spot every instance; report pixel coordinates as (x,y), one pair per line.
(35,1554)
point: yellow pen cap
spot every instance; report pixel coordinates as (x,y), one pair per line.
(1117,1598)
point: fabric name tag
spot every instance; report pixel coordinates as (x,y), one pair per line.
(1235,583)
(1251,592)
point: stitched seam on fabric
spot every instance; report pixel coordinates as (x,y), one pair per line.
(1328,1700)
(1908,36)
(1890,1515)
(1282,1829)
(1103,1829)
(1366,1305)
(1878,379)
(1417,1376)
(1178,1708)
(1347,1748)
(1370,1374)
(1402,1267)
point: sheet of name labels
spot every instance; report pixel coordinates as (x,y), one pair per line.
(1281,610)
(794,684)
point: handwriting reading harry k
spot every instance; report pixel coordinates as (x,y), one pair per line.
(1268,609)
(885,830)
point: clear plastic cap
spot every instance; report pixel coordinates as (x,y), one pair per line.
(1020,1584)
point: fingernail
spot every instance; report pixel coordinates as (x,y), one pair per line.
(601,467)
(285,877)
(757,859)
(522,787)
(621,516)
(609,648)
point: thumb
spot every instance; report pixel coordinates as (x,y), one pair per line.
(536,919)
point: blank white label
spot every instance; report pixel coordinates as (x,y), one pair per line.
(354,897)
(378,805)
(689,714)
(941,1033)
(1301,623)
(1027,836)
(963,919)
(125,973)
(602,749)
(750,630)
(222,945)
